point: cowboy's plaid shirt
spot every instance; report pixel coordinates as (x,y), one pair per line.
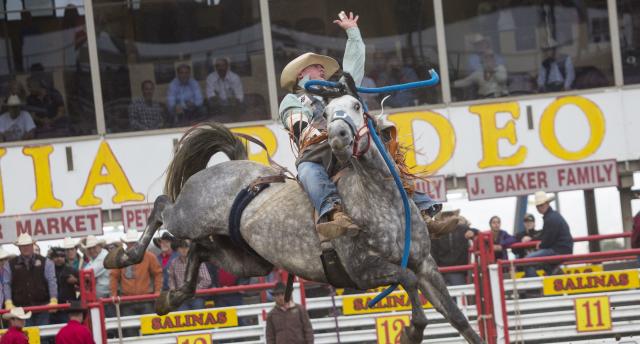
(176,274)
(144,116)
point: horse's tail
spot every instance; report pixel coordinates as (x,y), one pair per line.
(195,149)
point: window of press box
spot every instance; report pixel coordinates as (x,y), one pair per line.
(629,20)
(45,83)
(171,64)
(399,36)
(498,48)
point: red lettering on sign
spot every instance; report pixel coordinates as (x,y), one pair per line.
(39,228)
(80,226)
(22,228)
(129,216)
(93,218)
(52,225)
(66,224)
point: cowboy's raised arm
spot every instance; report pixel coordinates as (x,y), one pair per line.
(354,52)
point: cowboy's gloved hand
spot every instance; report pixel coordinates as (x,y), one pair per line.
(347,22)
(53,302)
(8,305)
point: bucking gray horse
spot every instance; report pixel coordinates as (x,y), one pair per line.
(279,223)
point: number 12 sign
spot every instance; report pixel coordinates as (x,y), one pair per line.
(390,328)
(202,338)
(592,314)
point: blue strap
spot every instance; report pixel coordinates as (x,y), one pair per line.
(434,80)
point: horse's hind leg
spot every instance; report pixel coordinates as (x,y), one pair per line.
(172,299)
(120,258)
(433,287)
(387,273)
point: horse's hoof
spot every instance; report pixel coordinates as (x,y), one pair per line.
(163,304)
(408,336)
(115,259)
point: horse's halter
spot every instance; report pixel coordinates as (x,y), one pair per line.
(357,134)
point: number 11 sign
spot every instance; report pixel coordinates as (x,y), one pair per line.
(592,314)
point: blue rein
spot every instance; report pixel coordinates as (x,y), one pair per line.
(309,86)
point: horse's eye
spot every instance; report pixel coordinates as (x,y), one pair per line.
(357,106)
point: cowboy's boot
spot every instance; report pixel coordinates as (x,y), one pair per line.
(441,224)
(338,223)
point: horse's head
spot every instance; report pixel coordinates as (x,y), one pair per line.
(348,134)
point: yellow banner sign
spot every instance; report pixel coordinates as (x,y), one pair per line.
(397,301)
(390,328)
(203,338)
(572,270)
(197,320)
(32,332)
(592,282)
(592,314)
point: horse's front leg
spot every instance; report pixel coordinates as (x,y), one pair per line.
(386,273)
(119,258)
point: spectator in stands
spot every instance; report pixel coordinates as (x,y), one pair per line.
(136,280)
(4,256)
(96,256)
(529,233)
(480,44)
(30,280)
(184,97)
(15,334)
(555,238)
(556,72)
(176,273)
(224,90)
(71,250)
(396,73)
(112,245)
(452,249)
(225,279)
(14,87)
(67,280)
(501,239)
(490,78)
(144,112)
(287,323)
(166,243)
(75,332)
(16,124)
(46,106)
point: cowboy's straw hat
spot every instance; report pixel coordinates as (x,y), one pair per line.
(17,312)
(14,100)
(130,236)
(68,243)
(24,239)
(541,197)
(92,241)
(289,75)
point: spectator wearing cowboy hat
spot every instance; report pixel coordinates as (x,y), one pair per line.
(16,124)
(96,256)
(73,258)
(529,233)
(4,256)
(136,280)
(287,323)
(67,280)
(17,319)
(176,273)
(555,238)
(167,245)
(75,332)
(30,281)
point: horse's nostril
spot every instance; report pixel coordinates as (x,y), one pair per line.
(343,133)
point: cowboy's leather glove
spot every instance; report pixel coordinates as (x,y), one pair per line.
(8,305)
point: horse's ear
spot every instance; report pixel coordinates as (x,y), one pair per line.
(351,88)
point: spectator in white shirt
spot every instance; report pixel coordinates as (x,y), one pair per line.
(16,124)
(224,89)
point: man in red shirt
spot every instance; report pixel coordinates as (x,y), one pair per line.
(14,335)
(74,332)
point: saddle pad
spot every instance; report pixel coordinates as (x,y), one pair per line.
(243,199)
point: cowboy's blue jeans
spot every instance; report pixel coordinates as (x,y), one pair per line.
(324,193)
(530,270)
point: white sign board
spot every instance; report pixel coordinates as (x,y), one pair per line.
(434,186)
(135,216)
(51,225)
(526,181)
